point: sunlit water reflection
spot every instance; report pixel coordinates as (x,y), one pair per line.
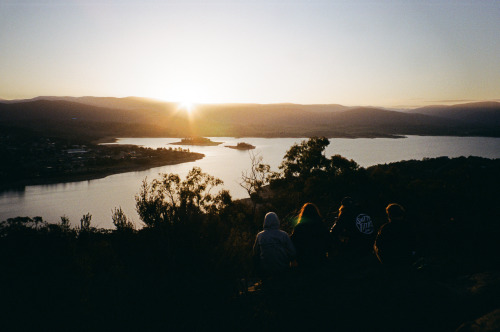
(99,197)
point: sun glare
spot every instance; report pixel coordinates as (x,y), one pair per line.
(186,106)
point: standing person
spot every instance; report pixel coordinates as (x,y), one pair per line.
(273,250)
(310,237)
(395,243)
(353,232)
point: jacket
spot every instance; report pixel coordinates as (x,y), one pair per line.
(273,249)
(355,231)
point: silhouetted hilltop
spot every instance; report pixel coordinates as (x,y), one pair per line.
(486,113)
(97,117)
(60,110)
(370,116)
(398,123)
(67,119)
(127,103)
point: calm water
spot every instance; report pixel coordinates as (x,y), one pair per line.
(99,197)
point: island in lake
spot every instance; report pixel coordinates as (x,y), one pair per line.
(241,146)
(196,141)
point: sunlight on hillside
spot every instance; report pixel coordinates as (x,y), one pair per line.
(187,110)
(187,107)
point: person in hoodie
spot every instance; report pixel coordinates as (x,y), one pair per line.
(273,250)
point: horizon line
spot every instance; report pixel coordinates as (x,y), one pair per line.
(442,102)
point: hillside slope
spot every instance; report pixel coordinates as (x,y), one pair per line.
(97,117)
(485,113)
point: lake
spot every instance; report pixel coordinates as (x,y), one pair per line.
(98,197)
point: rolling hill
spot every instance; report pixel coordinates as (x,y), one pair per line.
(91,118)
(486,113)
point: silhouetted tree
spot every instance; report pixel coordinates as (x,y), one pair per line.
(65,223)
(308,175)
(169,200)
(254,180)
(305,159)
(85,222)
(120,220)
(339,165)
(38,222)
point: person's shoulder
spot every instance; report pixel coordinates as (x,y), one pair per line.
(387,225)
(391,229)
(283,233)
(259,234)
(384,227)
(299,228)
(403,226)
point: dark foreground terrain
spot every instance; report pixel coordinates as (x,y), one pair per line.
(189,267)
(55,279)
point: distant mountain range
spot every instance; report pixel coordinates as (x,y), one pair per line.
(481,113)
(90,118)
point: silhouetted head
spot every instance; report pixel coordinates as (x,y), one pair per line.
(395,212)
(346,203)
(271,221)
(309,213)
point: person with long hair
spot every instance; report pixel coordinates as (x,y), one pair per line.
(310,238)
(395,243)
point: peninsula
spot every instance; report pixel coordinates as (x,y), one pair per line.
(48,160)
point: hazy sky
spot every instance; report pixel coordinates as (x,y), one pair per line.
(383,53)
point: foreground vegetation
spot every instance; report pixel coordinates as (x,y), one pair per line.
(185,268)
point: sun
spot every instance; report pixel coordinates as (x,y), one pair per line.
(186,106)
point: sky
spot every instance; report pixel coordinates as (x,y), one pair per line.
(379,53)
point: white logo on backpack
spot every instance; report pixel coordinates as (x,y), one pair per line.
(364,224)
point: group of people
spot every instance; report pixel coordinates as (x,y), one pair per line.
(352,236)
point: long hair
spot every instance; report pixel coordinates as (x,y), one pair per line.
(395,212)
(309,213)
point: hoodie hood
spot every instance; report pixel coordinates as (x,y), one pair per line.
(271,221)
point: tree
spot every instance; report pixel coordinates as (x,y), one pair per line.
(120,220)
(305,159)
(38,221)
(65,223)
(308,175)
(168,200)
(85,222)
(342,166)
(254,180)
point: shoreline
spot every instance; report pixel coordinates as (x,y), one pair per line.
(97,173)
(105,140)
